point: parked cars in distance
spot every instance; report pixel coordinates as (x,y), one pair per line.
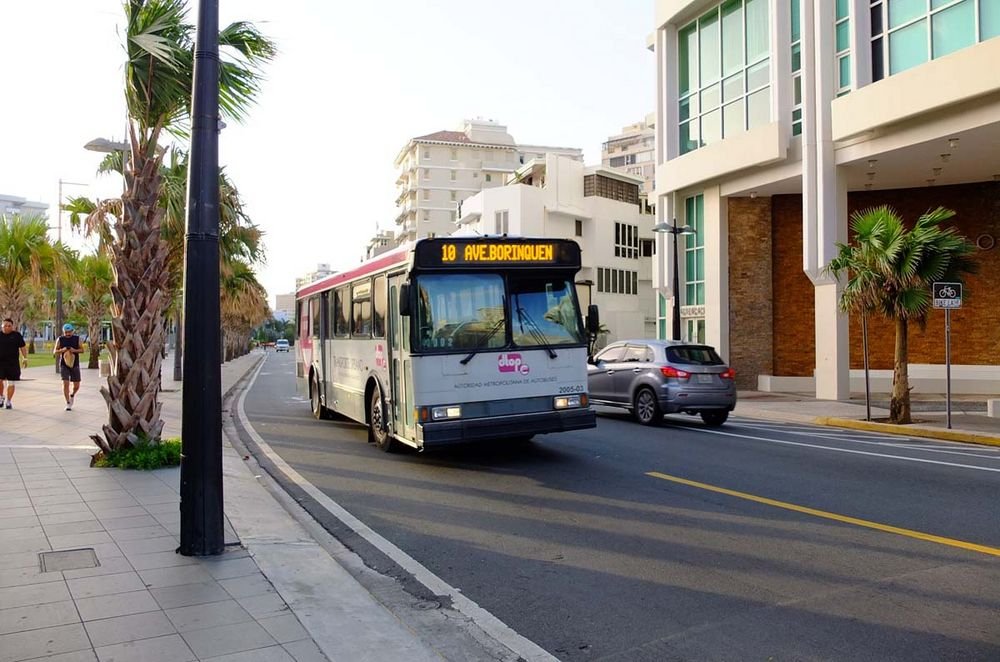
(281,345)
(651,378)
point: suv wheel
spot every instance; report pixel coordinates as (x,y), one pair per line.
(714,419)
(646,408)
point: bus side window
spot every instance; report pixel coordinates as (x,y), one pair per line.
(314,316)
(362,310)
(379,304)
(342,313)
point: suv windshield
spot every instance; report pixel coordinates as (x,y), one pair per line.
(693,355)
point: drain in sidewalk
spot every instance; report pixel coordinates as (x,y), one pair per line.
(68,559)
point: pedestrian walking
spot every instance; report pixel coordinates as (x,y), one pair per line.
(11,344)
(68,347)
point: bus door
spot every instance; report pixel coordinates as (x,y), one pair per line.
(400,371)
(324,351)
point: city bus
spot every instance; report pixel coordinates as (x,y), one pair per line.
(449,340)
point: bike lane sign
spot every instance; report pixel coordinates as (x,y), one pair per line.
(947,295)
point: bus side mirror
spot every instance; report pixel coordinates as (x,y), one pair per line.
(404,299)
(593,319)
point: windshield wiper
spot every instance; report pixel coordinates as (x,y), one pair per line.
(535,332)
(482,343)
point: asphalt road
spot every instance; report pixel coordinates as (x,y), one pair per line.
(756,541)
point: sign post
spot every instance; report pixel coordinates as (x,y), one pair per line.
(949,297)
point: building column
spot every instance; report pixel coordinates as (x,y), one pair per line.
(717,270)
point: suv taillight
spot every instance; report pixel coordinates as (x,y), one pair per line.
(728,374)
(670,371)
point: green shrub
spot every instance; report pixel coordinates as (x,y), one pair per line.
(145,455)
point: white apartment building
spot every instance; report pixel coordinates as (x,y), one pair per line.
(384,240)
(322,271)
(439,170)
(597,207)
(284,306)
(777,119)
(634,151)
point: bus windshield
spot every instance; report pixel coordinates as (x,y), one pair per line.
(544,312)
(467,312)
(460,311)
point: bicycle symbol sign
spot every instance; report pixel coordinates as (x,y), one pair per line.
(947,295)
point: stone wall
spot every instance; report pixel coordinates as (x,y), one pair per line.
(750,309)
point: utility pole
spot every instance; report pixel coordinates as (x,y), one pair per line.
(201,422)
(56,332)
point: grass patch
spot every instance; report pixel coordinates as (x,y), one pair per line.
(143,456)
(43,357)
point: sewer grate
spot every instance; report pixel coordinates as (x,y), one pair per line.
(68,559)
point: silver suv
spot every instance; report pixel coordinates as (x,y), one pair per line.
(656,377)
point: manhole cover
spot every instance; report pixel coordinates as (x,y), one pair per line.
(68,559)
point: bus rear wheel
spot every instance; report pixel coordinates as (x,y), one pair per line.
(378,429)
(315,403)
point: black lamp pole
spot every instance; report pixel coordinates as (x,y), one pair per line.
(201,421)
(677,286)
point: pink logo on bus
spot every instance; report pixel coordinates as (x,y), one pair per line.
(380,361)
(512,363)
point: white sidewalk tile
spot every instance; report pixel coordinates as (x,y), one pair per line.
(47,641)
(227,639)
(34,617)
(170,648)
(129,628)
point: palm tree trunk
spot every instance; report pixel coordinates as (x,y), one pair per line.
(899,405)
(94,335)
(179,345)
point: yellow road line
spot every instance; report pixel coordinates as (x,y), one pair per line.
(951,542)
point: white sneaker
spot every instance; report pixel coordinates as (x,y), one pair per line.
(9,405)
(69,405)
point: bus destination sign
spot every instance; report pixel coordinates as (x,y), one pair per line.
(497,252)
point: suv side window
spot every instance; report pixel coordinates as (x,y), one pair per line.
(638,353)
(611,354)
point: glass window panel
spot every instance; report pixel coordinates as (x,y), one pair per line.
(711,127)
(732,87)
(710,97)
(797,128)
(759,108)
(663,305)
(687,108)
(689,268)
(732,36)
(689,294)
(732,118)
(687,56)
(708,32)
(700,300)
(937,4)
(908,47)
(953,28)
(901,11)
(700,268)
(845,71)
(989,19)
(876,18)
(663,329)
(758,75)
(796,57)
(843,36)
(758,29)
(842,9)
(689,136)
(878,60)
(796,20)
(797,90)
(797,115)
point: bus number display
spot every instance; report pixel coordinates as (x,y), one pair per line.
(497,253)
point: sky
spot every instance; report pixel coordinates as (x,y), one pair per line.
(351,84)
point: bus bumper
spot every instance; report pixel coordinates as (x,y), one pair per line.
(443,433)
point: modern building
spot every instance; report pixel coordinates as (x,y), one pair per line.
(384,240)
(775,121)
(598,207)
(439,170)
(11,204)
(634,151)
(284,306)
(322,271)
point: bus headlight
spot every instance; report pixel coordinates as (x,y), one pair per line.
(449,411)
(569,401)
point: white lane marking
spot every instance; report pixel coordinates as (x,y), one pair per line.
(489,623)
(853,452)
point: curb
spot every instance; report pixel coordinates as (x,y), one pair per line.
(888,428)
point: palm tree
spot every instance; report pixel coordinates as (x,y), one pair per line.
(890,270)
(158,82)
(94,277)
(243,305)
(28,260)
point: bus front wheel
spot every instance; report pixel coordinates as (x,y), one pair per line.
(314,400)
(378,428)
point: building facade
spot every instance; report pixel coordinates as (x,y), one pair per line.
(775,121)
(322,271)
(12,204)
(284,306)
(600,208)
(634,151)
(440,170)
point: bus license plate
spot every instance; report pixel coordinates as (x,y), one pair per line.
(704,379)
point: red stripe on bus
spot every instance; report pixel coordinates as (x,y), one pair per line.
(396,257)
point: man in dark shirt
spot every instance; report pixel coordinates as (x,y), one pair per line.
(68,348)
(11,344)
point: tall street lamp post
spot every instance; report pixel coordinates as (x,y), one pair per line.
(662,226)
(59,296)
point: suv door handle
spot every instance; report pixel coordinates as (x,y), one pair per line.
(637,370)
(611,372)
